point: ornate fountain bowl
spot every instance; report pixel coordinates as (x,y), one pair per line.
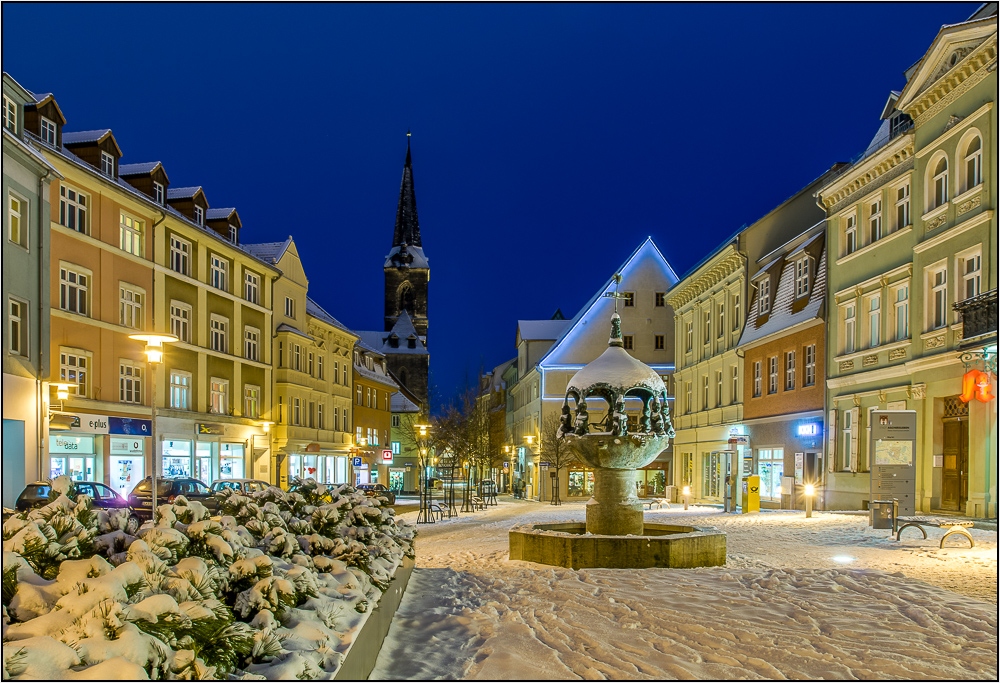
(611,452)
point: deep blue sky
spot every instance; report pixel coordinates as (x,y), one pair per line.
(548,140)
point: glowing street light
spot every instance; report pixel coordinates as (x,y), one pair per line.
(154,356)
(62,392)
(810,491)
(686,491)
(425,516)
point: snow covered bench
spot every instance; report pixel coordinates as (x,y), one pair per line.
(434,509)
(658,502)
(477,503)
(954,527)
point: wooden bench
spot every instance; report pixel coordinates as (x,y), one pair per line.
(434,509)
(477,503)
(952,525)
(658,502)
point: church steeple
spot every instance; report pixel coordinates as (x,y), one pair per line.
(407,225)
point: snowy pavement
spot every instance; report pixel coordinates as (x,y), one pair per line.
(825,597)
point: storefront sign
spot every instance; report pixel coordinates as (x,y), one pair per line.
(387,456)
(800,462)
(356,461)
(130,425)
(127,447)
(92,424)
(810,429)
(739,440)
(71,444)
(211,428)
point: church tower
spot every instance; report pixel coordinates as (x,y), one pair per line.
(407,271)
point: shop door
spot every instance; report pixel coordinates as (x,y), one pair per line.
(955,473)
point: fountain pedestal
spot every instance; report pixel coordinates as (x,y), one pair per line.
(614,510)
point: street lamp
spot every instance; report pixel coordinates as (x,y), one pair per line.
(810,492)
(265,426)
(424,516)
(686,491)
(154,356)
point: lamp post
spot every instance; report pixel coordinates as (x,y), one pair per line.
(266,426)
(810,492)
(424,516)
(154,356)
(529,439)
(685,492)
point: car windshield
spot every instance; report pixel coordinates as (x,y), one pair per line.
(162,487)
(40,491)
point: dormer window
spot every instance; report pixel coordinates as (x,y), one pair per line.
(765,296)
(802,277)
(233,235)
(107,164)
(899,123)
(411,342)
(158,193)
(10,114)
(48,131)
(199,215)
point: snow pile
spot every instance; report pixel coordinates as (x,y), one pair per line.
(276,586)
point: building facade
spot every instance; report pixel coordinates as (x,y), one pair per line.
(373,390)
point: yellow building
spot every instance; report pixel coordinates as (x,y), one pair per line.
(311,437)
(373,389)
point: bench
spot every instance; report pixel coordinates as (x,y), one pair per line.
(954,527)
(434,509)
(658,502)
(477,503)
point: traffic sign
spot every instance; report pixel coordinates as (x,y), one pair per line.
(387,455)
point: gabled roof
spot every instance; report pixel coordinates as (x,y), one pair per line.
(90,137)
(398,403)
(541,330)
(216,214)
(497,382)
(46,97)
(144,168)
(403,330)
(30,150)
(184,192)
(285,327)
(317,311)
(648,246)
(782,316)
(412,258)
(268,252)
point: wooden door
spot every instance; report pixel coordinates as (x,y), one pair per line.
(955,471)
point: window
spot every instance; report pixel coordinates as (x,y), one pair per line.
(688,398)
(296,411)
(199,215)
(757,379)
(790,371)
(130,235)
(368,397)
(347,419)
(251,343)
(704,392)
(289,307)
(718,388)
(973,164)
(336,418)
(358,435)
(875,221)
(73,290)
(939,298)
(736,312)
(689,336)
(48,131)
(971,269)
(130,306)
(17,327)
(939,183)
(810,352)
(281,354)
(219,277)
(310,363)
(902,306)
(765,297)
(180,321)
(706,327)
(661,299)
(320,372)
(902,206)
(770,469)
(107,164)
(16,211)
(296,351)
(218,396)
(180,390)
(180,255)
(320,416)
(802,277)
(73,209)
(850,234)
(627,341)
(281,410)
(74,369)
(772,375)
(629,299)
(359,394)
(251,289)
(874,321)
(395,445)
(395,423)
(158,193)
(849,441)
(734,389)
(251,401)
(10,114)
(658,341)
(233,234)
(850,318)
(721,328)
(220,334)
(129,381)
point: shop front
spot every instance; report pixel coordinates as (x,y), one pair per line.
(103,448)
(214,452)
(75,456)
(126,464)
(787,454)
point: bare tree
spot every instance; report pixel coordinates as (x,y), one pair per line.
(554,451)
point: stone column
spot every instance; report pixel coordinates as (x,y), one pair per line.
(614,509)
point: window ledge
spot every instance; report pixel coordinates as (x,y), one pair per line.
(868,248)
(934,333)
(854,355)
(934,213)
(968,194)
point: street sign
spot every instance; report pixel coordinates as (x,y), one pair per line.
(387,455)
(356,461)
(506,465)
(544,464)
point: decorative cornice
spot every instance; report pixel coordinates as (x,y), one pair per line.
(859,178)
(715,273)
(954,83)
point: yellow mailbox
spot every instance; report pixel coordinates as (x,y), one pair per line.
(751,493)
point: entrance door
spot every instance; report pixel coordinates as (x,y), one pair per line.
(955,473)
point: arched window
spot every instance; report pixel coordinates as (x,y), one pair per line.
(939,183)
(973,163)
(402,376)
(406,299)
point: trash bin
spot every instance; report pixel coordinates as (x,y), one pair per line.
(882,514)
(671,494)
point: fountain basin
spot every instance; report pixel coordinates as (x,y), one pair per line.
(567,544)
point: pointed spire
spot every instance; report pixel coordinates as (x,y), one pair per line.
(407,225)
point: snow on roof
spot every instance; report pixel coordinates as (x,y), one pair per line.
(781,316)
(268,252)
(84,136)
(618,370)
(317,311)
(183,192)
(30,150)
(419,259)
(41,96)
(537,330)
(398,403)
(285,327)
(212,214)
(376,375)
(378,341)
(143,168)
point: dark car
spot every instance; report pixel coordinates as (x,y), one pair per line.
(380,490)
(38,494)
(141,498)
(244,486)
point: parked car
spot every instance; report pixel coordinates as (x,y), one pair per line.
(141,498)
(380,490)
(102,496)
(244,486)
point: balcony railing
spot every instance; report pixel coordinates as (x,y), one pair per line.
(979,316)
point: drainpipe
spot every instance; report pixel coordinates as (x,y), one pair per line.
(39,403)
(153,367)
(827,306)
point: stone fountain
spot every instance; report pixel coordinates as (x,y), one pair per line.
(614,534)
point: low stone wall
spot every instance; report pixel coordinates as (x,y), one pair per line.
(662,545)
(360,659)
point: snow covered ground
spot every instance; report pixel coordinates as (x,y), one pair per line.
(825,597)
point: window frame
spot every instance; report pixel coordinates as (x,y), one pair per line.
(47,129)
(290,307)
(131,304)
(975,178)
(850,323)
(183,328)
(218,276)
(975,278)
(809,356)
(790,367)
(251,343)
(850,230)
(937,294)
(180,255)
(758,378)
(251,401)
(218,395)
(901,307)
(772,375)
(251,283)
(903,206)
(179,389)
(75,291)
(77,206)
(130,381)
(10,114)
(17,217)
(130,234)
(199,215)
(875,219)
(107,164)
(660,299)
(218,333)
(764,296)
(658,342)
(66,368)
(159,193)
(18,332)
(937,181)
(627,342)
(873,309)
(803,281)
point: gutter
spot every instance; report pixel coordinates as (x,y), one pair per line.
(39,426)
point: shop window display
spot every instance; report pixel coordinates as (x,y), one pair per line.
(770,468)
(176,459)
(231,461)
(580,483)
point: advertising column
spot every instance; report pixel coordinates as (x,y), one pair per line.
(892,448)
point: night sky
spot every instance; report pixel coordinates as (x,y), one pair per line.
(548,140)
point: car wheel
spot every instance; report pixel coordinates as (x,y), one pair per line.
(132,525)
